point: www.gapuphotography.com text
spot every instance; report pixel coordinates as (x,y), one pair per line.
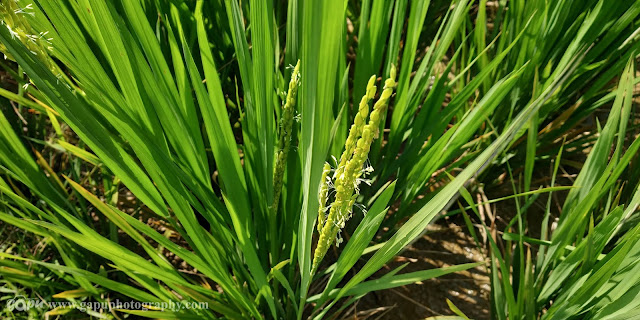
(21,303)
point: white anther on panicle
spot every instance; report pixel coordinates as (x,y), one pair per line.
(361,207)
(13,33)
(361,180)
(330,184)
(24,10)
(335,161)
(32,37)
(367,170)
(43,37)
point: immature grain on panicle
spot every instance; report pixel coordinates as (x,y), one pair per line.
(284,135)
(13,16)
(358,123)
(325,183)
(350,169)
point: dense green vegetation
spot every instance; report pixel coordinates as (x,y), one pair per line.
(270,158)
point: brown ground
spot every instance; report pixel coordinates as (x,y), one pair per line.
(446,243)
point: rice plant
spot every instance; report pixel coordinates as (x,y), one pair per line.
(235,153)
(585,265)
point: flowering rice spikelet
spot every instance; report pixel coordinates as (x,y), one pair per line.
(13,16)
(284,135)
(358,123)
(350,169)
